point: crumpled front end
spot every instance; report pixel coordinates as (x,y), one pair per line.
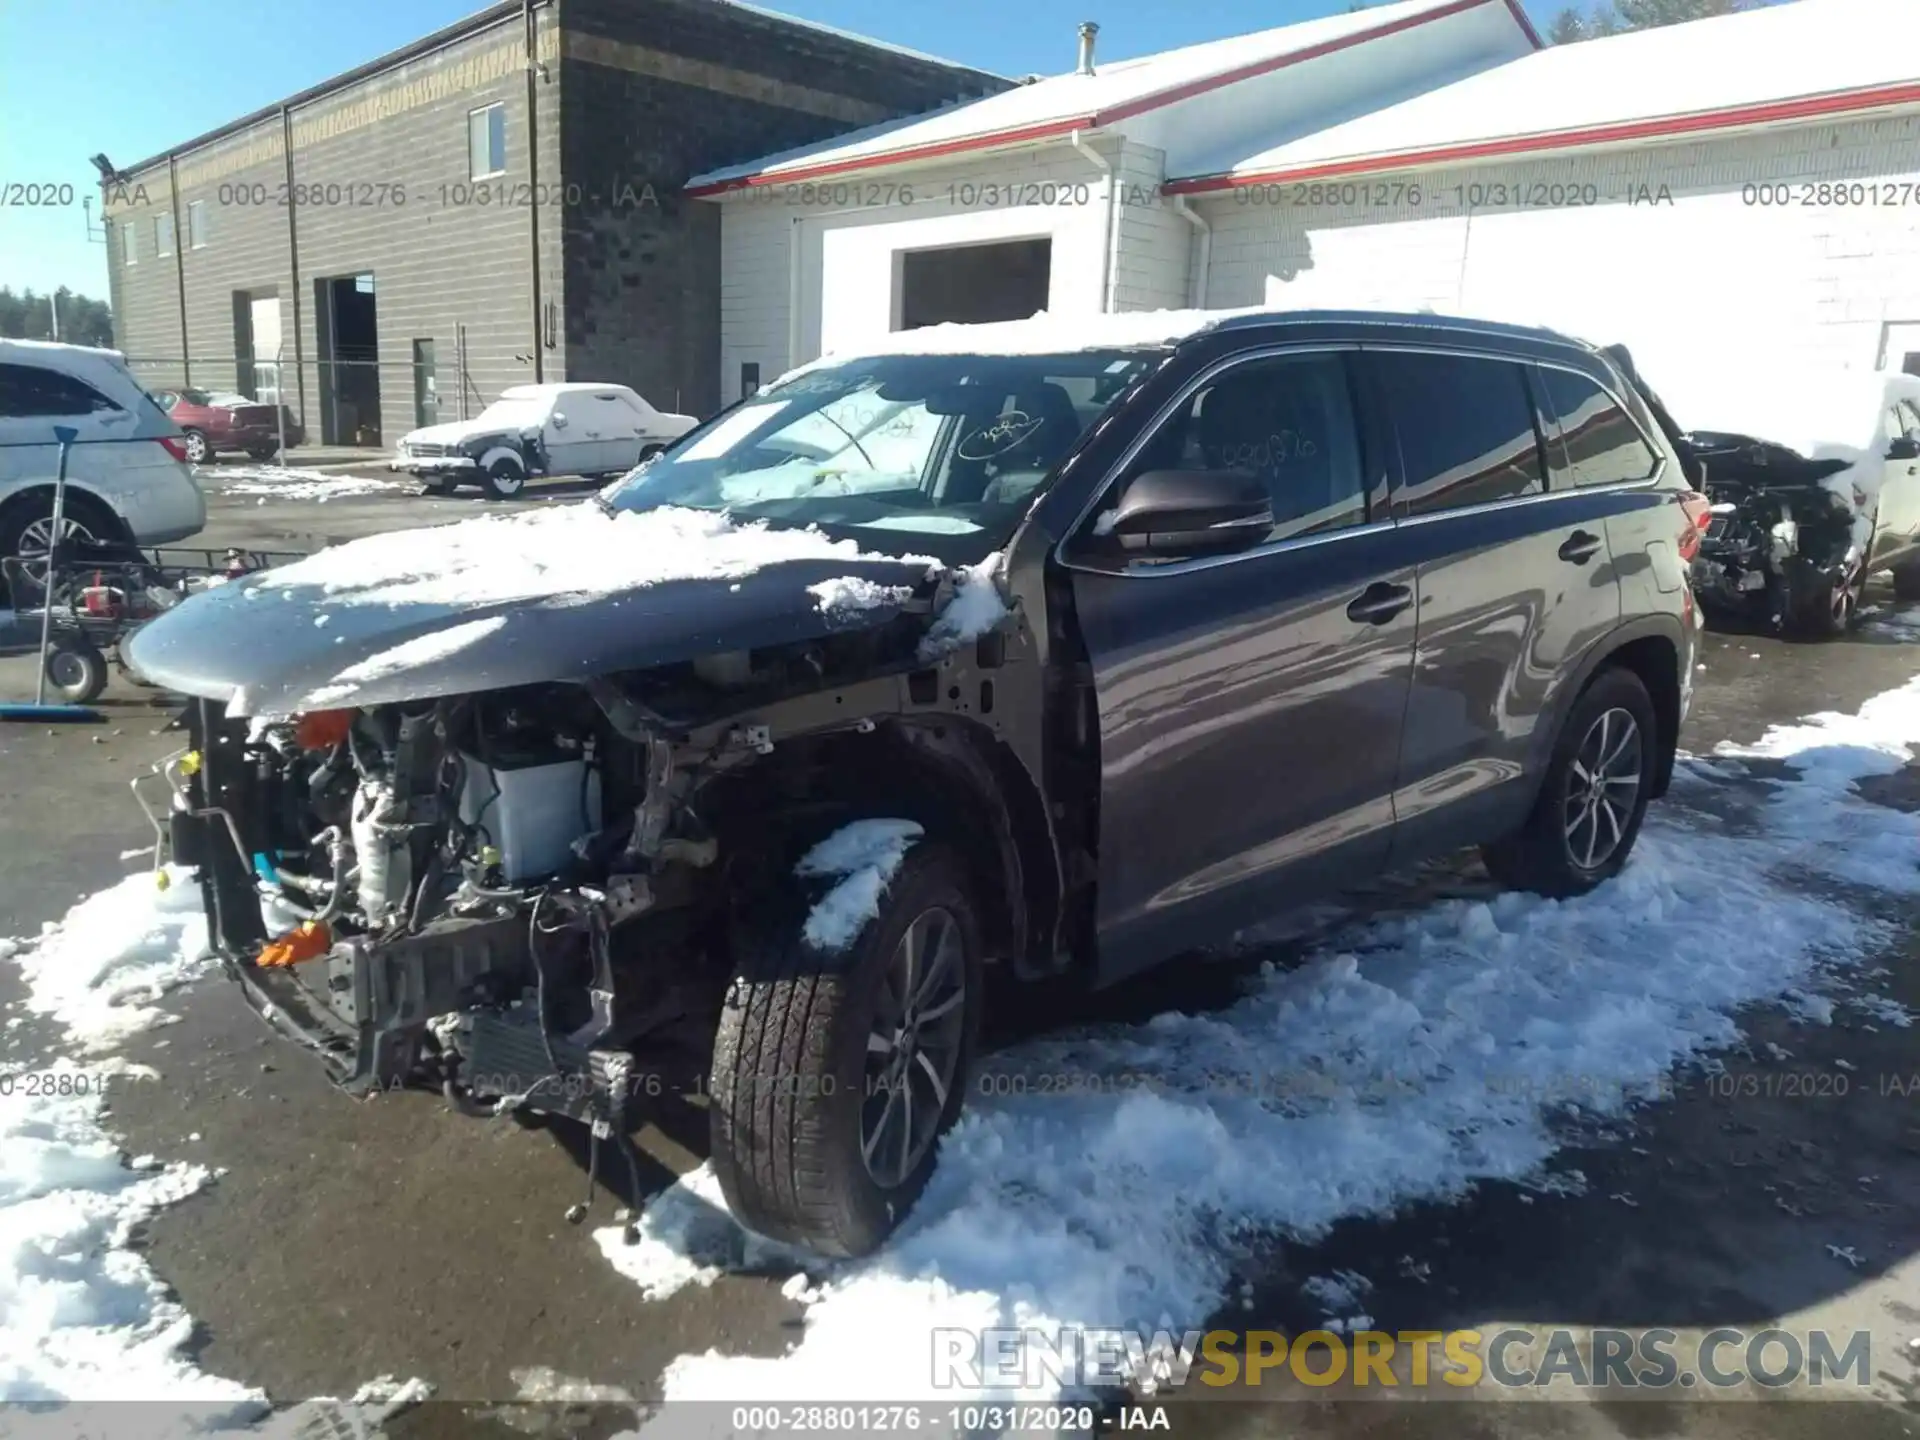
(1777,534)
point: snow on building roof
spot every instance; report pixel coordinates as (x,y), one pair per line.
(1116,91)
(1797,61)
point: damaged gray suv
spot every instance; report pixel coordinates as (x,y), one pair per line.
(1003,656)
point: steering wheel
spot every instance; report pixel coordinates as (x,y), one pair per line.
(998,435)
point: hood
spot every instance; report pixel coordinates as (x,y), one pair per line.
(546,596)
(452,432)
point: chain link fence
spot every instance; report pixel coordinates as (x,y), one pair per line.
(350,401)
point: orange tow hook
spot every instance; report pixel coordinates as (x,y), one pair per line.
(306,941)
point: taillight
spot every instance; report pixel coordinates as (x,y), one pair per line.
(1699,512)
(174,446)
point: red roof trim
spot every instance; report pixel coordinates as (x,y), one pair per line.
(1765,112)
(1177,93)
(1043,131)
(1051,128)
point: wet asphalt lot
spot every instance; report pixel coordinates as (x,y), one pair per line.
(349,1239)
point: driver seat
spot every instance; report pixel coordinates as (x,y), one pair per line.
(1022,468)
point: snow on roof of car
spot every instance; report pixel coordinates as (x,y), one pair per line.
(1043,334)
(1117,90)
(57,350)
(556,387)
(1784,62)
(1820,413)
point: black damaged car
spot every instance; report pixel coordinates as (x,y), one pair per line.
(1045,659)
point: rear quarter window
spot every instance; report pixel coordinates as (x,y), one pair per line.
(1604,446)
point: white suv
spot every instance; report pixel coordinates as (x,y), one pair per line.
(127,478)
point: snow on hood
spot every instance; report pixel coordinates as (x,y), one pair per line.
(1821,414)
(451,432)
(570,550)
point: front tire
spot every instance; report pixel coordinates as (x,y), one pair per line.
(76,671)
(835,1075)
(1593,797)
(441,483)
(1825,605)
(504,479)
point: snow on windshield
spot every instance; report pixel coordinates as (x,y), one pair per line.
(514,412)
(570,550)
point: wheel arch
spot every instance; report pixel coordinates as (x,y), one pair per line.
(1651,648)
(948,773)
(30,496)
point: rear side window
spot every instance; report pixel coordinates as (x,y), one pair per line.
(1466,429)
(1604,446)
(1910,418)
(26,391)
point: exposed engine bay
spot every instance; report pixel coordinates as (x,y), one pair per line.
(1780,539)
(532,898)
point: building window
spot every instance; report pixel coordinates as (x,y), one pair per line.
(163,235)
(487,141)
(197,225)
(129,235)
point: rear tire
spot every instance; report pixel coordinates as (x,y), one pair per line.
(1593,796)
(263,452)
(1906,581)
(199,449)
(26,526)
(504,479)
(796,1106)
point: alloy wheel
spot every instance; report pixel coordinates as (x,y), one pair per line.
(913,1047)
(195,444)
(37,539)
(1603,787)
(1845,599)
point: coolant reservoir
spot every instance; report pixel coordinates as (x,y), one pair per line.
(531,814)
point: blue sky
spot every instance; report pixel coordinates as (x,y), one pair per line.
(132,77)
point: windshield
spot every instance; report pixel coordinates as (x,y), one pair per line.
(954,446)
(514,413)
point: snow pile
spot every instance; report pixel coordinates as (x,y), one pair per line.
(1410,1058)
(100,970)
(284,483)
(83,1318)
(686,1237)
(81,1315)
(849,595)
(977,606)
(578,550)
(864,858)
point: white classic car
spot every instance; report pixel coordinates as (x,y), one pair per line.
(535,430)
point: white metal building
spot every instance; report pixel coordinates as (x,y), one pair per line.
(1734,186)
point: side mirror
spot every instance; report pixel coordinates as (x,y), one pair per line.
(559,421)
(1189,511)
(1904,447)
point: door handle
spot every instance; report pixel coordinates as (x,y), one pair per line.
(1580,547)
(1379,603)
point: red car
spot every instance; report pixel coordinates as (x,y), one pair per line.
(210,424)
